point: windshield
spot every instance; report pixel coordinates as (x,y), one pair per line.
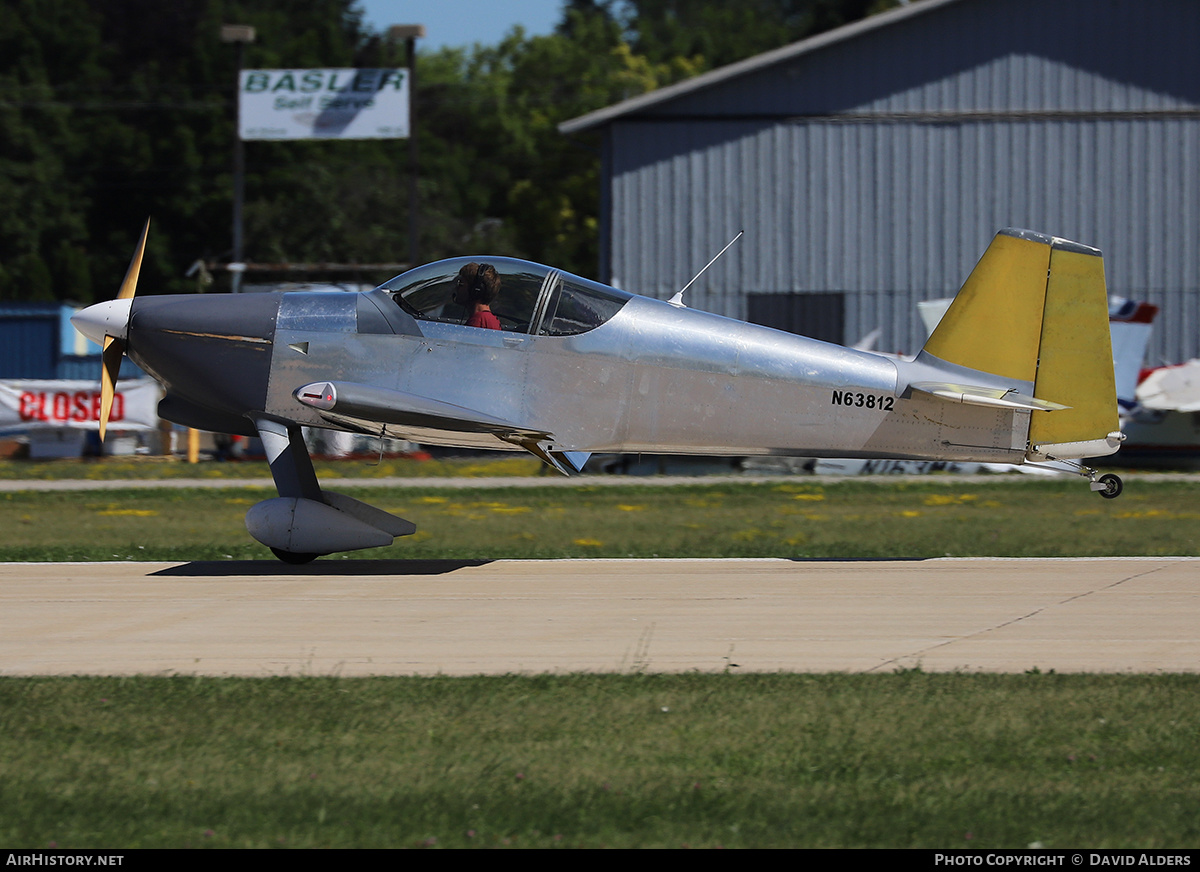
(530,298)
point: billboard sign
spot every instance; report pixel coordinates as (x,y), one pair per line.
(323,104)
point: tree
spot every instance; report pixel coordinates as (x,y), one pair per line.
(50,48)
(119,109)
(721,32)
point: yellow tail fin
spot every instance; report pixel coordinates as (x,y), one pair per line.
(1035,310)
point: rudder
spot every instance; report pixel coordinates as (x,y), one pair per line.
(1075,359)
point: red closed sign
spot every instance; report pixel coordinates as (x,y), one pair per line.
(63,407)
(45,403)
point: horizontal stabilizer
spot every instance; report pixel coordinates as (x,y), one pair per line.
(997,398)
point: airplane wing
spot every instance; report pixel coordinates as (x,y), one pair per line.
(365,407)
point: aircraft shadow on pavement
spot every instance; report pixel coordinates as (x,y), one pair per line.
(395,568)
(318,569)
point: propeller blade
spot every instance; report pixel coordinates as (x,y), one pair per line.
(114,347)
(129,285)
(114,350)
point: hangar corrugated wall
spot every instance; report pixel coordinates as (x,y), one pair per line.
(878,160)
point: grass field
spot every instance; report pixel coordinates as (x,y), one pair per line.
(141,468)
(772,518)
(902,760)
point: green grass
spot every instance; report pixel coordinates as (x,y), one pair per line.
(774,518)
(902,760)
(141,468)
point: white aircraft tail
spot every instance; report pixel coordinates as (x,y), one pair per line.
(1130,322)
(1035,310)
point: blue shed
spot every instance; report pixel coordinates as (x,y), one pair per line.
(37,341)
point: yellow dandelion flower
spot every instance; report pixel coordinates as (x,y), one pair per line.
(940,500)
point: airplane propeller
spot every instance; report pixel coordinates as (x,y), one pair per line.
(108,323)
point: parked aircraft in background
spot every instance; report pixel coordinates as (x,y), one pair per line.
(1018,371)
(1163,427)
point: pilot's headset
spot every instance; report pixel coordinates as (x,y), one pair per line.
(478,289)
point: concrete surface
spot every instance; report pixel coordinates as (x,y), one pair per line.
(399,617)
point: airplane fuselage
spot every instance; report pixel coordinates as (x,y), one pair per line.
(654,378)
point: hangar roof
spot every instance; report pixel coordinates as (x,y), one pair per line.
(995,57)
(750,65)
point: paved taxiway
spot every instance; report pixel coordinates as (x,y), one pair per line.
(357,617)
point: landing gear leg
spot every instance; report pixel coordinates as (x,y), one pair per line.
(291,466)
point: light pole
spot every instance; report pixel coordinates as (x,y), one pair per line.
(239,35)
(410,33)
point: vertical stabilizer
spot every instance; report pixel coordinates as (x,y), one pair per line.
(995,322)
(1035,310)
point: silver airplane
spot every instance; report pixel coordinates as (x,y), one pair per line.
(1019,371)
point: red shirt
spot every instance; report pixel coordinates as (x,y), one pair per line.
(484,319)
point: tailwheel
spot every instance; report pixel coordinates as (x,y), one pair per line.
(1109,486)
(295,558)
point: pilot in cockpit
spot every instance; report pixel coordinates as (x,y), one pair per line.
(477,287)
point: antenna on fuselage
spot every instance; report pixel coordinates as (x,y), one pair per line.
(677,300)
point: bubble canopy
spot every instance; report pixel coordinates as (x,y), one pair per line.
(533,298)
